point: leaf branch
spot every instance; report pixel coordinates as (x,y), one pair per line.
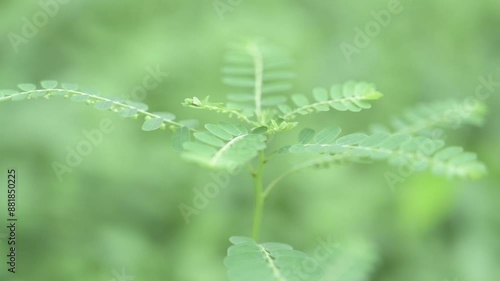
(259,69)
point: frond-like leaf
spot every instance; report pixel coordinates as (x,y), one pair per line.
(224,146)
(351,96)
(248,261)
(258,75)
(442,114)
(398,149)
(49,89)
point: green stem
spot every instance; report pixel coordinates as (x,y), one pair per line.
(275,182)
(298,168)
(259,197)
(95,97)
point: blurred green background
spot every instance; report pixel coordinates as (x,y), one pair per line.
(118,210)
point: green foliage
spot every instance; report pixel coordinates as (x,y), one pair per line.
(422,118)
(398,149)
(124,108)
(355,261)
(351,96)
(224,145)
(196,103)
(259,77)
(181,136)
(248,261)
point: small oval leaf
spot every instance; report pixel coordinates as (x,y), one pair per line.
(49,84)
(152,124)
(69,86)
(218,132)
(103,105)
(306,135)
(260,130)
(20,96)
(27,87)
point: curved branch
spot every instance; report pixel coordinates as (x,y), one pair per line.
(116,105)
(308,164)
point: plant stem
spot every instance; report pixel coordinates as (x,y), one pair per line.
(93,97)
(259,197)
(275,182)
(298,168)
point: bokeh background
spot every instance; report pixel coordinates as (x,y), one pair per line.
(119,211)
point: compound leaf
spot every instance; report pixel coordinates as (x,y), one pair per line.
(224,145)
(91,96)
(249,261)
(218,108)
(257,73)
(398,149)
(420,119)
(350,96)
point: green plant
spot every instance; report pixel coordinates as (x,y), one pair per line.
(259,77)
